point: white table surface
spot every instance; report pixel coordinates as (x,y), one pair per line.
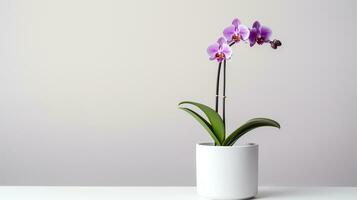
(164,193)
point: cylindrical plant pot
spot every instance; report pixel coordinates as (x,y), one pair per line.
(227,172)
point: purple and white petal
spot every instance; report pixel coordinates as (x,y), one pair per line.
(236,22)
(229,32)
(212,50)
(243,32)
(265,33)
(221,41)
(226,49)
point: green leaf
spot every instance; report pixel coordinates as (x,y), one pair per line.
(213,117)
(204,123)
(250,125)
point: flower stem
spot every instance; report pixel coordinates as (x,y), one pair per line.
(224,94)
(217,84)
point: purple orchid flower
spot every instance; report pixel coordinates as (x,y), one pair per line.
(236,31)
(220,50)
(259,34)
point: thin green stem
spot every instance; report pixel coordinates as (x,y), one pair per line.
(217,84)
(224,94)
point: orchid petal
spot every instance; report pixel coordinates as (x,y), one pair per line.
(229,32)
(212,50)
(243,32)
(265,33)
(221,41)
(256,25)
(227,51)
(236,22)
(253,34)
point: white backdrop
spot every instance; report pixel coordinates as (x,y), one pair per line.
(89,90)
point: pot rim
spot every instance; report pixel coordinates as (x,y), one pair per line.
(210,145)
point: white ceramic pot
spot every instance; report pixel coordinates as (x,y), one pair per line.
(227,172)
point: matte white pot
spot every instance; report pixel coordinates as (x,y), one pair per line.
(227,172)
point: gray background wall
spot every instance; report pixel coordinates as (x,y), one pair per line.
(89,90)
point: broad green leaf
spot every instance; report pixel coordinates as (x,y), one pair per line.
(245,128)
(204,123)
(213,117)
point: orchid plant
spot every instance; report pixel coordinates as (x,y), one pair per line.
(221,51)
